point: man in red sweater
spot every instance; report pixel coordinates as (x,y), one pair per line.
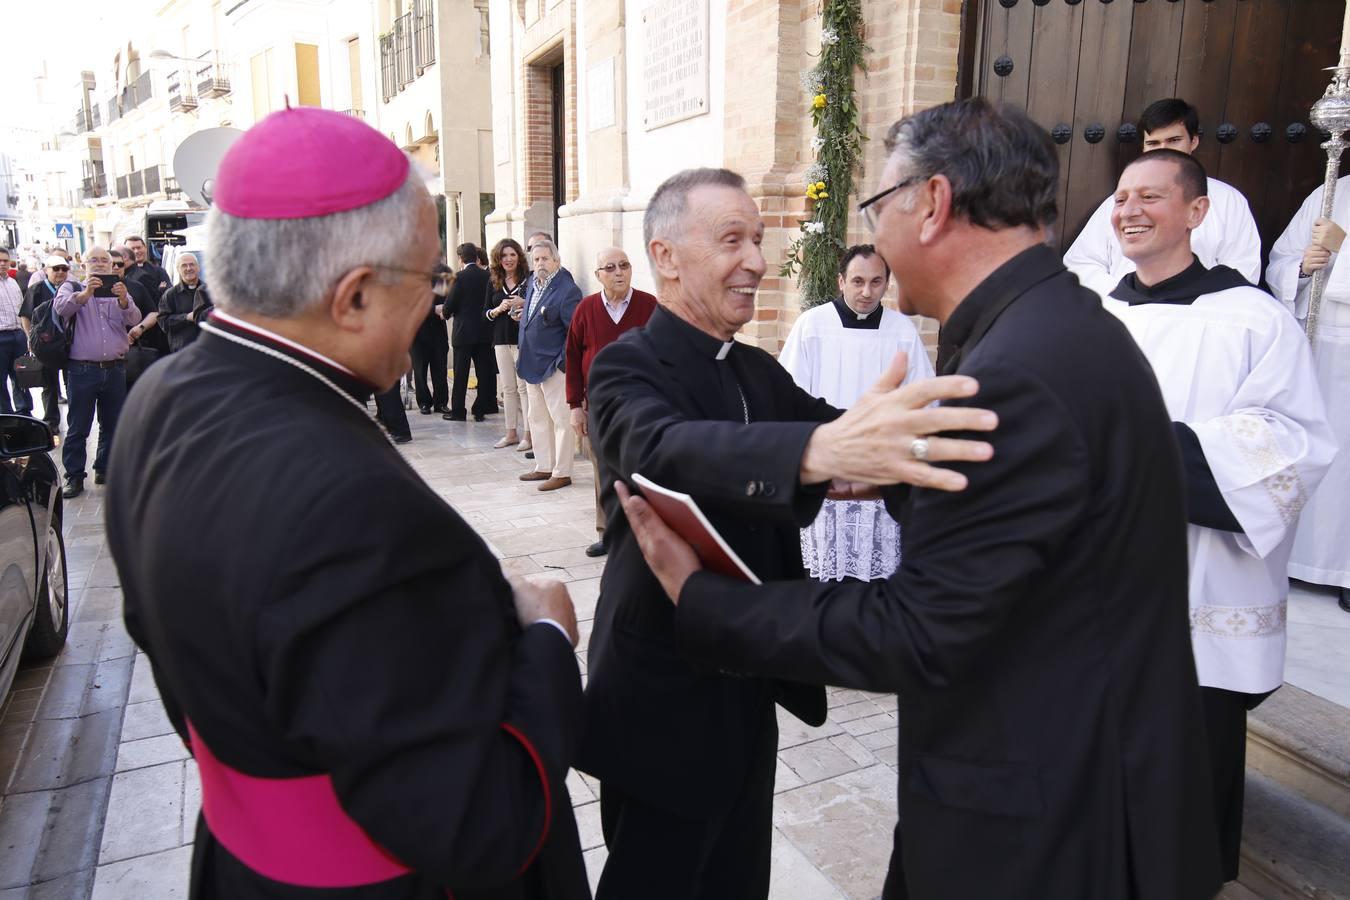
(598,321)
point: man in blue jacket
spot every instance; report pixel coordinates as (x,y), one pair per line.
(551,297)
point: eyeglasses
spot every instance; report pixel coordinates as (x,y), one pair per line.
(611,268)
(118,263)
(59,268)
(439,281)
(871,213)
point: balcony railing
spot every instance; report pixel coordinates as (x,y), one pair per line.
(150,180)
(424,35)
(213,78)
(403,49)
(93,186)
(355,113)
(388,77)
(409,48)
(180,99)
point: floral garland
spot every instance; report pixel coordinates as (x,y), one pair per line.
(814,255)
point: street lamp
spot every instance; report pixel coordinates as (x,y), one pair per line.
(166,55)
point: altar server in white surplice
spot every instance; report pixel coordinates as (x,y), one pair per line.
(1322,548)
(837,351)
(1239,383)
(1227,237)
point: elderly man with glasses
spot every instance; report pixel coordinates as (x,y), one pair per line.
(42,291)
(1051,745)
(103,312)
(599,320)
(399,715)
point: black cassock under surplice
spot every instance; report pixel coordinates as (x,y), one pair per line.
(312,607)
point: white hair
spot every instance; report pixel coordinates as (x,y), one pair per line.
(191,256)
(281,267)
(664,217)
(547,244)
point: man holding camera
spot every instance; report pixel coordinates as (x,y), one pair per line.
(102,313)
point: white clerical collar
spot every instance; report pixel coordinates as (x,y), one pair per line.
(726,348)
(273,336)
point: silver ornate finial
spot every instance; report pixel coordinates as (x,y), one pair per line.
(1331,114)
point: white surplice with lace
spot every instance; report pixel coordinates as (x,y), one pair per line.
(850,538)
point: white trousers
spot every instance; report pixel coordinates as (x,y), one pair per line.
(512,387)
(551,426)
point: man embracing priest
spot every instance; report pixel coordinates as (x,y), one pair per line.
(1238,380)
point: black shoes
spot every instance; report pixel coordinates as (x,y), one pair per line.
(442,409)
(1345,599)
(424,410)
(401,438)
(453,417)
(479,417)
(596,549)
(74,488)
(100,478)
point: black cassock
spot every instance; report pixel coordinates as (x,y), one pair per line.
(1051,740)
(311,607)
(690,749)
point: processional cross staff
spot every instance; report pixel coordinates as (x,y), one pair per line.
(1331,114)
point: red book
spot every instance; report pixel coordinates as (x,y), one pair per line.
(682,514)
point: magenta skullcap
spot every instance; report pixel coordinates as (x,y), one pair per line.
(303,162)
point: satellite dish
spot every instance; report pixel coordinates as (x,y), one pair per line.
(197,159)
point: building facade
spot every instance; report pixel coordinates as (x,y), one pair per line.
(597,101)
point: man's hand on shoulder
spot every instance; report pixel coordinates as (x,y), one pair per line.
(874,442)
(542,601)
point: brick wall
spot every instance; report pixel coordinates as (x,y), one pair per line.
(912,65)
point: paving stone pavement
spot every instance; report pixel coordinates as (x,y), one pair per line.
(100,798)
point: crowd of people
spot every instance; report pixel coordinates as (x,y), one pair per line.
(967,535)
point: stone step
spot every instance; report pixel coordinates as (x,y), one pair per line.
(1292,848)
(1302,741)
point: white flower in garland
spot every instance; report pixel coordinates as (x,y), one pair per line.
(816,172)
(812,81)
(814,227)
(829,37)
(817,144)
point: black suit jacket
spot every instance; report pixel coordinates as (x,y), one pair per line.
(678,734)
(466,305)
(1037,632)
(330,632)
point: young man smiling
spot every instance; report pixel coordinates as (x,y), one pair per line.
(1238,380)
(1227,236)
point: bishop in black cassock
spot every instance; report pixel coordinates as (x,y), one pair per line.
(338,647)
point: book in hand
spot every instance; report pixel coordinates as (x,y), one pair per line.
(681,513)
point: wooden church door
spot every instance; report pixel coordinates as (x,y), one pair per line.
(1085,69)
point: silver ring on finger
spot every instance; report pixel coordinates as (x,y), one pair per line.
(918,448)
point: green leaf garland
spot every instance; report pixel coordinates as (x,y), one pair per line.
(813,257)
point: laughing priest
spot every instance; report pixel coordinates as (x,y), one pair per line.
(375,711)
(1239,383)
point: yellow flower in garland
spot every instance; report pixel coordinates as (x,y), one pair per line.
(818,101)
(817,191)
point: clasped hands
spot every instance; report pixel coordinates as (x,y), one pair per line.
(865,448)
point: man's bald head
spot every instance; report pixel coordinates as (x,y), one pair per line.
(615,273)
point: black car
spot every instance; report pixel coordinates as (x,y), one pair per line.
(34,602)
